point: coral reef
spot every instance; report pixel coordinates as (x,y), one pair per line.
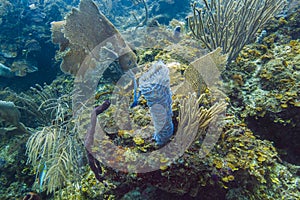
(15,175)
(87,188)
(264,87)
(241,146)
(239,161)
(51,108)
(25,41)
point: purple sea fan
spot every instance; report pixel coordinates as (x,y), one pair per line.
(155,86)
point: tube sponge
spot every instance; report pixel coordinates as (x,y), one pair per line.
(155,86)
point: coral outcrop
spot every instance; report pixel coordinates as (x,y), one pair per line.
(264,87)
(10,118)
(215,152)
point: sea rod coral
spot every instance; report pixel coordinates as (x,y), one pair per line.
(231,24)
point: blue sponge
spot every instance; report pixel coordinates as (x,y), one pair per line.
(155,86)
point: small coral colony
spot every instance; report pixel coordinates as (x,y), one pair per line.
(139,99)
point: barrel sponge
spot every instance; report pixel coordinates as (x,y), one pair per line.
(155,86)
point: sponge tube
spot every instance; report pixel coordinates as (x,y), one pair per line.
(155,86)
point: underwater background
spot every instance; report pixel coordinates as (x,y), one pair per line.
(149,99)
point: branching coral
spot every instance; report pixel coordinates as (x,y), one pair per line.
(5,6)
(144,22)
(193,121)
(231,24)
(54,143)
(56,147)
(40,103)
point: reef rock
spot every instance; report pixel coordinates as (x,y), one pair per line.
(9,117)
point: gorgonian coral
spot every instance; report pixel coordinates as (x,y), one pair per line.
(81,41)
